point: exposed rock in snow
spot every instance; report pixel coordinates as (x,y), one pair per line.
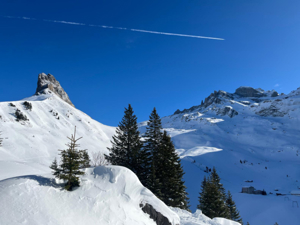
(227,110)
(249,92)
(49,81)
(271,111)
(159,218)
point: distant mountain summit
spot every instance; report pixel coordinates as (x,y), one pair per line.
(243,95)
(49,81)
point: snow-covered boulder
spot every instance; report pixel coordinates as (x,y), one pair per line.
(107,195)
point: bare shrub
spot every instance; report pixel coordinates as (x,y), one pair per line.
(98,159)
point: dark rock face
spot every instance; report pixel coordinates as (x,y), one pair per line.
(274,94)
(156,216)
(49,81)
(271,111)
(248,92)
(229,111)
(212,98)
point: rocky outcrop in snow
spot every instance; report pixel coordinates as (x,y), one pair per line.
(49,81)
(227,110)
(156,216)
(249,92)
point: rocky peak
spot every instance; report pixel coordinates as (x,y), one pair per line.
(249,92)
(49,81)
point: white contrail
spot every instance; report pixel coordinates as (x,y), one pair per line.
(119,28)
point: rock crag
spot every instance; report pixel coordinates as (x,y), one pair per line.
(49,81)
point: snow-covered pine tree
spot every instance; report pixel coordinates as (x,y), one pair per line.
(153,138)
(234,213)
(171,174)
(71,160)
(126,144)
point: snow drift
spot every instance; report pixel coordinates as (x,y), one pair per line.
(107,195)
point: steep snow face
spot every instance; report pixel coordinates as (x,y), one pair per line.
(30,146)
(245,138)
(107,195)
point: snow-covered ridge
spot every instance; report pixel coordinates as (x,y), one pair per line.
(262,132)
(30,146)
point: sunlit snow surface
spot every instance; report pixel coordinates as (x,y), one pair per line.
(108,195)
(269,146)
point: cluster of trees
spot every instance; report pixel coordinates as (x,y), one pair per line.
(27,105)
(213,200)
(152,158)
(20,116)
(71,163)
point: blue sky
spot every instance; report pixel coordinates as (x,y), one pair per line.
(103,70)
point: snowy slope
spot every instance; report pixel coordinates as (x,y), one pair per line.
(108,195)
(263,131)
(30,195)
(30,146)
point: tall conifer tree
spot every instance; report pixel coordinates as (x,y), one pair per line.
(234,213)
(203,196)
(170,173)
(126,145)
(212,200)
(153,138)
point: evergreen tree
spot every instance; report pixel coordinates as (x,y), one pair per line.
(170,173)
(55,168)
(276,223)
(126,145)
(234,213)
(86,162)
(212,198)
(203,196)
(152,147)
(248,223)
(214,178)
(71,160)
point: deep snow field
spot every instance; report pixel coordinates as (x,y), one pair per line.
(30,195)
(203,137)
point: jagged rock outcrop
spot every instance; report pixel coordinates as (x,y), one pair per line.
(271,111)
(156,216)
(212,98)
(49,81)
(227,110)
(249,92)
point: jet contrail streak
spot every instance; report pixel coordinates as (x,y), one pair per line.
(118,28)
